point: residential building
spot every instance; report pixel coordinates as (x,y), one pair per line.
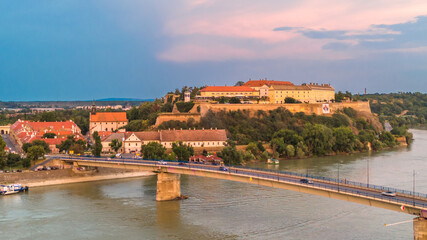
(133,141)
(306,93)
(28,131)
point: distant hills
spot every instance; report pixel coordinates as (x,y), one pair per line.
(123,100)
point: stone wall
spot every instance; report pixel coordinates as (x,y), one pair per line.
(311,108)
(183,117)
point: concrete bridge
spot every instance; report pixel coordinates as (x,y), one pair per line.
(168,184)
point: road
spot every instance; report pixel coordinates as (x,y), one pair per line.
(9,143)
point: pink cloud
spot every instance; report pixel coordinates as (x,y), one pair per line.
(245,28)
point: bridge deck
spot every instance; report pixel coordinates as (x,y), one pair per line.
(414,203)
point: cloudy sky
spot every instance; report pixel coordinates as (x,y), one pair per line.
(91,49)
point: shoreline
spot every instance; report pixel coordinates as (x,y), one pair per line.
(70,180)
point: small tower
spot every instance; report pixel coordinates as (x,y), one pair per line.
(93,108)
(186,96)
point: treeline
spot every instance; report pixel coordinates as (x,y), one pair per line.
(409,109)
(293,135)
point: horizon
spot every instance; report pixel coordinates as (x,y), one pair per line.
(129,49)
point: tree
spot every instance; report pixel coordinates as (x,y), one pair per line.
(153,150)
(234,100)
(345,140)
(2,153)
(318,138)
(231,155)
(115,145)
(182,151)
(49,135)
(239,83)
(35,152)
(291,100)
(97,148)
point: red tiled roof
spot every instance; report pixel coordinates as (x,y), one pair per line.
(28,131)
(193,135)
(260,83)
(227,89)
(108,117)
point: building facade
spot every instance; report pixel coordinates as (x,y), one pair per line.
(133,141)
(106,121)
(225,91)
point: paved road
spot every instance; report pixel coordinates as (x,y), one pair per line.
(9,143)
(420,200)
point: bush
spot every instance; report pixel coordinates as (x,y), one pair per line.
(184,106)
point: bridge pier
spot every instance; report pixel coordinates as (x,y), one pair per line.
(420,228)
(168,186)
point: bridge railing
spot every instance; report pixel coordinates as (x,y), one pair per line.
(341,181)
(274,174)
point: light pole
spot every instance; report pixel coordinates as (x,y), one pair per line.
(367,172)
(413,187)
(338,180)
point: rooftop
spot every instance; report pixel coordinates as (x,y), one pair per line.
(108,117)
(227,89)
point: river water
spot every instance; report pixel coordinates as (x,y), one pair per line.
(220,209)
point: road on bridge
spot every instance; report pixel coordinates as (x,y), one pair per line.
(417,200)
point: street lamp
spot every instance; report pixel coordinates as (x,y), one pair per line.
(367,172)
(413,187)
(338,179)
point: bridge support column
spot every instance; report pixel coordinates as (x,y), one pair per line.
(168,186)
(420,228)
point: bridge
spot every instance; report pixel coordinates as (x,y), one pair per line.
(168,184)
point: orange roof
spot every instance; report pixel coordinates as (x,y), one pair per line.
(108,117)
(227,89)
(260,83)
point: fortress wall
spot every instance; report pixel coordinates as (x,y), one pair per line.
(311,108)
(183,117)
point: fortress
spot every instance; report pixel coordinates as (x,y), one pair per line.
(326,109)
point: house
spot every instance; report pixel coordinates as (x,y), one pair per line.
(29,131)
(133,141)
(206,159)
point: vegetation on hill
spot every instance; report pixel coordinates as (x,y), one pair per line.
(400,109)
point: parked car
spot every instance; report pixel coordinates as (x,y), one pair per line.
(161,162)
(223,168)
(19,170)
(305,180)
(389,194)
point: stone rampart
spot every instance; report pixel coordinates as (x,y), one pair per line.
(183,117)
(310,108)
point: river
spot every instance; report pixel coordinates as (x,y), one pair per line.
(220,209)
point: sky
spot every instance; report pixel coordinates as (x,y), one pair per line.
(92,49)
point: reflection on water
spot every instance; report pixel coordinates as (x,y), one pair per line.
(219,209)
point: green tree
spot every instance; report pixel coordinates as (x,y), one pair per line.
(153,150)
(231,155)
(97,148)
(319,139)
(115,145)
(234,100)
(49,135)
(182,151)
(35,152)
(2,153)
(345,140)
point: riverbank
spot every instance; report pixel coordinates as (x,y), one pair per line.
(66,176)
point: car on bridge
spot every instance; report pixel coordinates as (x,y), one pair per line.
(161,162)
(305,180)
(223,168)
(389,194)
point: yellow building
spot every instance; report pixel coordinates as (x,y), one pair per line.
(225,91)
(308,93)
